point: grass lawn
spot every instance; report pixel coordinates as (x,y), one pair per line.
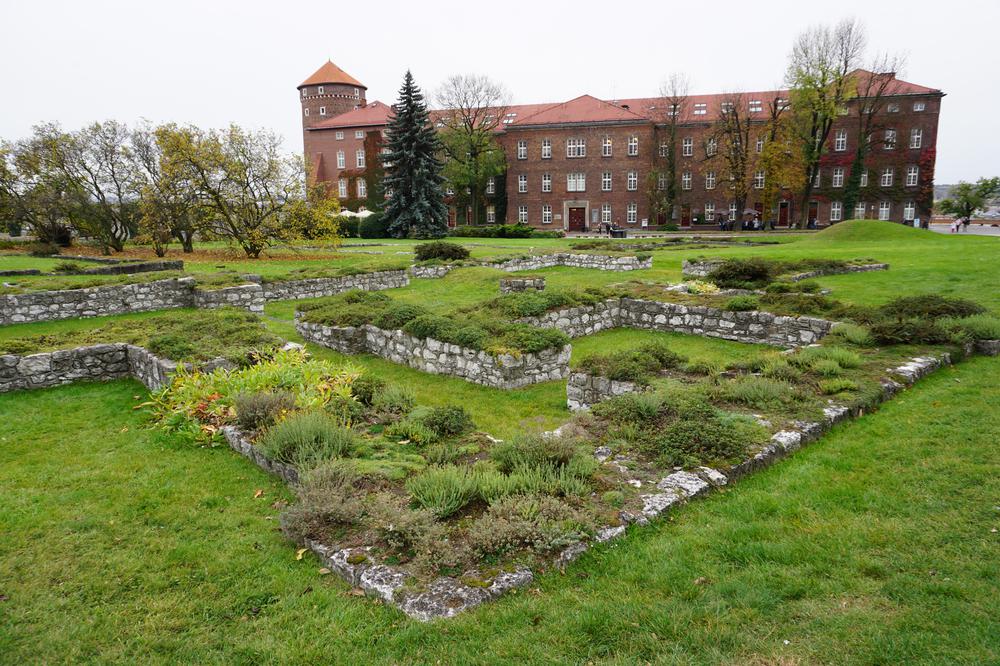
(873,545)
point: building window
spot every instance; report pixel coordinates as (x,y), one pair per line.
(884,209)
(606,181)
(359,134)
(919,106)
(756,106)
(838,177)
(632,181)
(341,160)
(909,211)
(859,210)
(840,140)
(661,181)
(449,192)
(522,150)
(522,214)
(818,180)
(362,186)
(759,146)
(339,136)
(686,180)
(305,92)
(631,213)
(664,149)
(576,182)
(893,108)
(709,180)
(546,149)
(319,90)
(342,188)
(522,183)
(758,179)
(606,213)
(885,180)
(890,139)
(864,178)
(633,146)
(322,110)
(546,182)
(709,212)
(912,172)
(306,111)
(491,214)
(491,186)
(687,147)
(359,158)
(836,211)
(711,147)
(700,109)
(916,137)
(732,211)
(726,107)
(357,93)
(576,147)
(546,214)
(606,147)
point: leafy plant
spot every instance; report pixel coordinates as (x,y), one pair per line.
(977,327)
(448,421)
(833,386)
(742,304)
(262,409)
(532,450)
(328,496)
(636,365)
(367,388)
(443,490)
(306,439)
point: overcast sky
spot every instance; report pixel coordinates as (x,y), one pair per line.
(211,62)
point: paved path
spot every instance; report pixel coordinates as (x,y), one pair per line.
(974,229)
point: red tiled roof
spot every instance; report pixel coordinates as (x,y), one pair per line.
(899,86)
(373,114)
(583,109)
(330,73)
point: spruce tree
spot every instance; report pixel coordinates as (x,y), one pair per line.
(412,170)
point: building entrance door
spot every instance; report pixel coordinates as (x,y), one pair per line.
(813,212)
(685,215)
(577,218)
(783,214)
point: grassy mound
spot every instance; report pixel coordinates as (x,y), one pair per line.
(853,231)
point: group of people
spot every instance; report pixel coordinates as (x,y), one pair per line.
(960,224)
(753,224)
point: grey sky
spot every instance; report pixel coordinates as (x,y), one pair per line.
(212,62)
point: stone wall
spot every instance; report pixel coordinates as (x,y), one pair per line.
(861,268)
(101,362)
(751,327)
(132,267)
(699,268)
(317,287)
(583,390)
(247,296)
(439,271)
(96,301)
(441,358)
(511,285)
(601,262)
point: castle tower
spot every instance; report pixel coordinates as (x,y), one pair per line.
(329,92)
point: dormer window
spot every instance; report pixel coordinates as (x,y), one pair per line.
(700,109)
(319,90)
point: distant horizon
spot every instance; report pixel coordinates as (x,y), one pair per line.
(243,65)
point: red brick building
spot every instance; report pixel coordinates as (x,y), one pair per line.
(576,164)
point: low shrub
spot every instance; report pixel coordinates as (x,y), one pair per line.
(502,231)
(851,334)
(637,365)
(632,408)
(808,356)
(367,388)
(701,434)
(756,392)
(42,249)
(909,332)
(542,524)
(803,286)
(327,497)
(834,386)
(977,327)
(394,401)
(742,304)
(397,315)
(412,431)
(778,367)
(747,273)
(707,368)
(826,367)
(533,450)
(448,421)
(411,532)
(534,303)
(930,306)
(442,250)
(306,439)
(262,409)
(443,490)
(67,267)
(374,226)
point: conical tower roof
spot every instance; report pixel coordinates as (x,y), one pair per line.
(330,73)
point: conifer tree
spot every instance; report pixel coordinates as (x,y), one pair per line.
(413,177)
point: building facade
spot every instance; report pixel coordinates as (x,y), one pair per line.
(578,164)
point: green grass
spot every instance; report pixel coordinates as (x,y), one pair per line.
(872,545)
